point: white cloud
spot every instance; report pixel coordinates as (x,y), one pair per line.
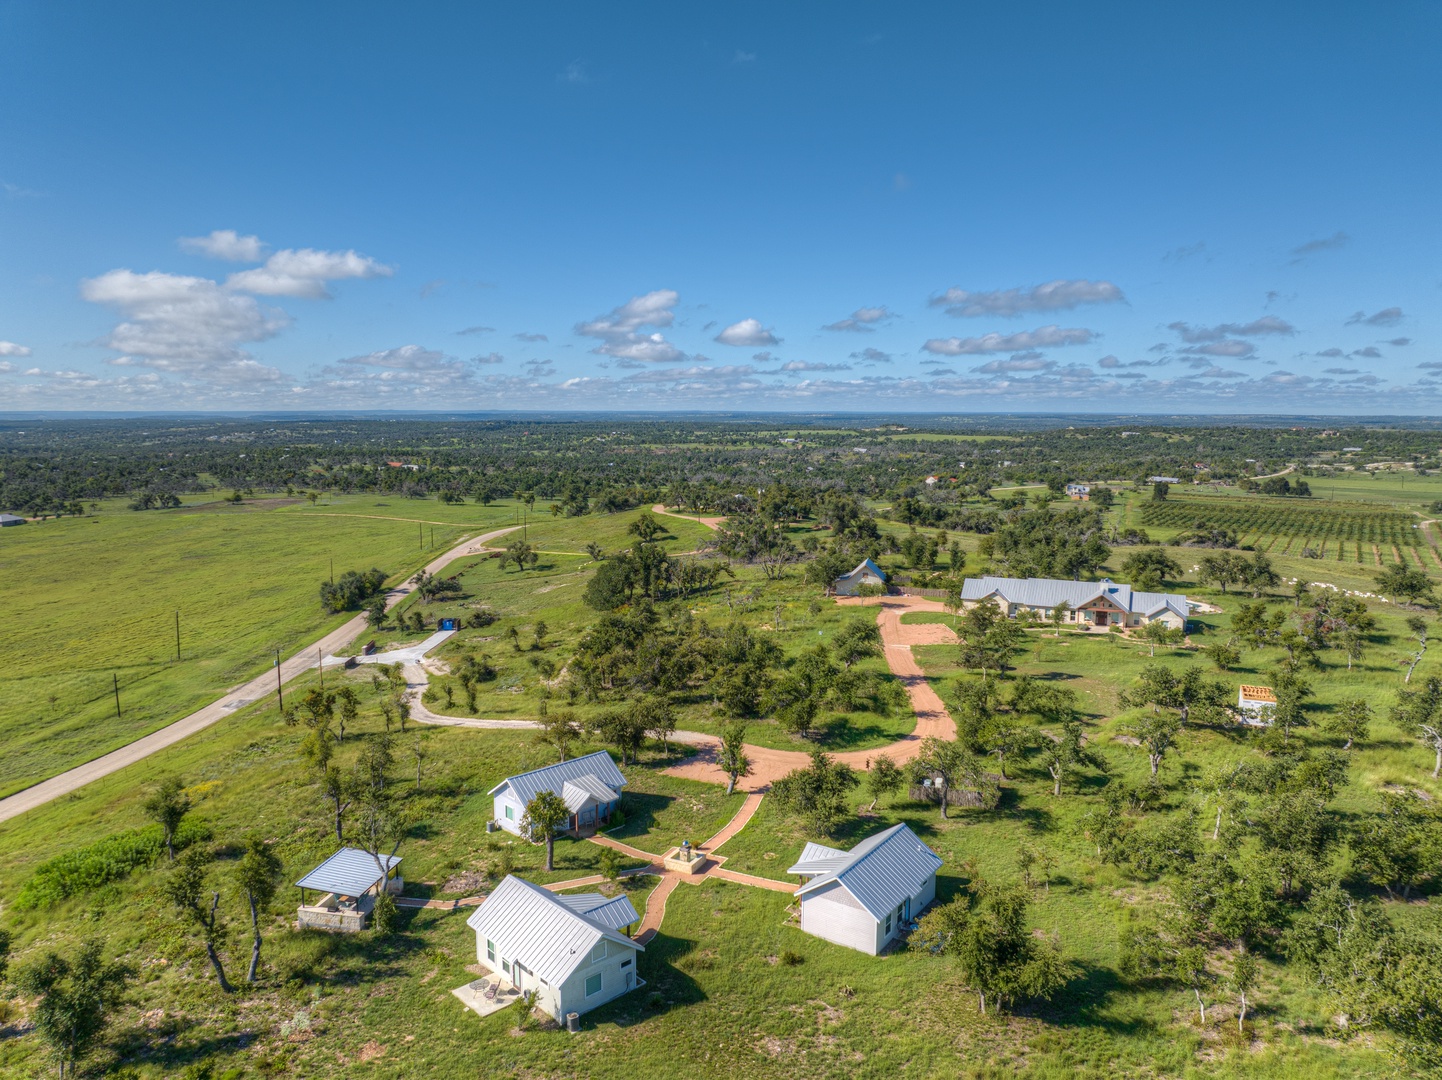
(181,324)
(575,73)
(743,57)
(1267,324)
(9,348)
(1058,295)
(620,330)
(303,273)
(1386,317)
(812,365)
(225,244)
(1215,372)
(489,358)
(862,320)
(1329,243)
(1024,362)
(475,330)
(1042,338)
(1230,348)
(748,333)
(530,337)
(873,356)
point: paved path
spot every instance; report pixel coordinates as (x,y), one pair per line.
(408,655)
(261,686)
(932,719)
(709,522)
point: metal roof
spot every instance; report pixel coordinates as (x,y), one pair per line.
(1049,592)
(819,859)
(542,930)
(586,789)
(349,872)
(864,564)
(613,911)
(525,786)
(882,871)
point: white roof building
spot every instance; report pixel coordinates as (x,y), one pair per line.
(1092,603)
(590,786)
(862,898)
(866,573)
(568,949)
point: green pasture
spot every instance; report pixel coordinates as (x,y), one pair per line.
(93,600)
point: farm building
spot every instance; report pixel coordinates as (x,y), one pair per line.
(1089,603)
(866,573)
(861,898)
(568,949)
(1164,480)
(349,882)
(590,787)
(6,520)
(1079,491)
(1255,704)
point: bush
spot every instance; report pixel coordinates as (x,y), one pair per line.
(352,591)
(385,916)
(102,862)
(789,957)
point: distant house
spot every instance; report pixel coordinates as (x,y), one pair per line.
(568,949)
(1255,705)
(348,883)
(866,573)
(6,520)
(590,787)
(1079,491)
(863,897)
(931,481)
(1101,603)
(1164,480)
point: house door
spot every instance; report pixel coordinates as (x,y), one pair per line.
(1100,618)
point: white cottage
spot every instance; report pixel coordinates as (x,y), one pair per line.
(861,898)
(569,949)
(1101,603)
(866,573)
(590,786)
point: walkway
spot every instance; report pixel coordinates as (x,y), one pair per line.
(260,687)
(709,522)
(932,719)
(409,654)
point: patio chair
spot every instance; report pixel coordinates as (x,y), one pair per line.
(492,990)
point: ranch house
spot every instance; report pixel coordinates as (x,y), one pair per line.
(570,950)
(1090,604)
(1079,491)
(862,898)
(590,787)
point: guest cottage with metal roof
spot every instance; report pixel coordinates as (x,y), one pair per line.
(569,949)
(590,786)
(863,897)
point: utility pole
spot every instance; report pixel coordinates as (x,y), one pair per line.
(332,569)
(433,538)
(115,681)
(320,663)
(421,531)
(279,696)
(177,635)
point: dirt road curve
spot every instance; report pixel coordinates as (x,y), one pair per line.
(932,719)
(709,522)
(259,687)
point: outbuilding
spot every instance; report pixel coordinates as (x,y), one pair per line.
(1079,491)
(590,786)
(6,520)
(348,883)
(862,898)
(570,950)
(1255,705)
(866,573)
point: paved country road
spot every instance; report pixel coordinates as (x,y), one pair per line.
(256,689)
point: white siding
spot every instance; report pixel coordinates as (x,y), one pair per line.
(835,915)
(498,811)
(613,970)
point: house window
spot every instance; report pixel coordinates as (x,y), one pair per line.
(490,950)
(510,813)
(888,922)
(625,963)
(593,985)
(599,952)
(506,968)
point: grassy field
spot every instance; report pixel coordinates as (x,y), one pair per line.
(94,599)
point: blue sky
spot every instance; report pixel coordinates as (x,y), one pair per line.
(961,207)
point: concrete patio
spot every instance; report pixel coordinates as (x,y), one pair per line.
(473,995)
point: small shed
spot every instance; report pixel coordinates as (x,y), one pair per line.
(570,950)
(1079,491)
(1255,705)
(866,573)
(348,883)
(6,520)
(863,898)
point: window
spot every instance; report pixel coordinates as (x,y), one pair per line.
(490,950)
(510,813)
(888,922)
(599,952)
(625,963)
(506,967)
(593,985)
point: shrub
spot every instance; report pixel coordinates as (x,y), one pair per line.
(385,916)
(789,957)
(102,862)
